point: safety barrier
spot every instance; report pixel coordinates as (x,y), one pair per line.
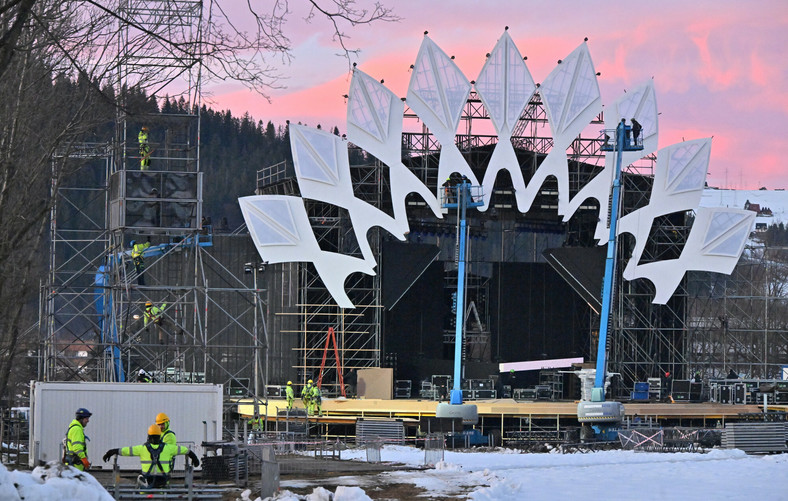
(756,438)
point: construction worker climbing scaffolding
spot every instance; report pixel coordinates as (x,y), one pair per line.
(155,314)
(138,258)
(144,148)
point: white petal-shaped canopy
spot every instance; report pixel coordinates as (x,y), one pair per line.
(505,85)
(438,90)
(715,244)
(570,90)
(281,232)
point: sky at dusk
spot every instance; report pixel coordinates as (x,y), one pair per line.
(720,67)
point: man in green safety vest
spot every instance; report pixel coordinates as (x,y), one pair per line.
(167,435)
(290,395)
(257,423)
(144,148)
(155,314)
(156,458)
(138,258)
(75,451)
(306,396)
(316,399)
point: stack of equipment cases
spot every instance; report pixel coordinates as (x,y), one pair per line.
(640,393)
(555,379)
(724,394)
(274,390)
(739,394)
(654,388)
(402,388)
(752,392)
(781,392)
(525,394)
(427,391)
(544,392)
(483,389)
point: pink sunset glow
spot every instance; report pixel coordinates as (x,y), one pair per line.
(719,66)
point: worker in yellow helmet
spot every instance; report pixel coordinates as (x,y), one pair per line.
(290,395)
(316,400)
(167,435)
(156,458)
(145,152)
(306,396)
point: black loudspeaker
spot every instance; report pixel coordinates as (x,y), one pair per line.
(696,389)
(681,389)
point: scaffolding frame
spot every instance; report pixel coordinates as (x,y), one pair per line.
(91,322)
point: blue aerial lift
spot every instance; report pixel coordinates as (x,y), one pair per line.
(109,328)
(460,196)
(604,416)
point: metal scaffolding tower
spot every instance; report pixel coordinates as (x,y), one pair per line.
(93,315)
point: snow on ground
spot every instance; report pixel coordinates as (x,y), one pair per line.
(506,474)
(50,482)
(500,475)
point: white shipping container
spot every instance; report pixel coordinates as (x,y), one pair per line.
(122,413)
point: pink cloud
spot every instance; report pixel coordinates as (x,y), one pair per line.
(718,70)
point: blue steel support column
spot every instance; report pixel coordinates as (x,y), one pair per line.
(598,392)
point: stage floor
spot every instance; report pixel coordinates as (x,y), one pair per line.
(347,410)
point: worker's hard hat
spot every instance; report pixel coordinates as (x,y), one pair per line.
(83,413)
(145,128)
(154,430)
(289,382)
(310,381)
(162,418)
(148,303)
(131,244)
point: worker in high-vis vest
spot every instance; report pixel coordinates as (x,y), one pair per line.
(306,396)
(145,152)
(138,258)
(155,314)
(290,395)
(316,400)
(75,450)
(167,435)
(156,458)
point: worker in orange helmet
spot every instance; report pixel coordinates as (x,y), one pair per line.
(156,458)
(167,435)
